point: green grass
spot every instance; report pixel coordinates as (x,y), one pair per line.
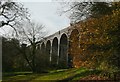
(55,75)
(15,73)
(60,75)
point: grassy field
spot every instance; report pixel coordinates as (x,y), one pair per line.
(68,75)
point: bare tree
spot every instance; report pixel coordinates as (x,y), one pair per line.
(12,13)
(29,36)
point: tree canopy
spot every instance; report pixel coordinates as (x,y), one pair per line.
(84,10)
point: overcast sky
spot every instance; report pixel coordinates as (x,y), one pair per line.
(46,13)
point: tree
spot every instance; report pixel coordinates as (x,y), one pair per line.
(99,42)
(29,37)
(11,56)
(83,10)
(10,53)
(29,34)
(12,13)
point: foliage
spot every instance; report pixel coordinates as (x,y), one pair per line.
(99,42)
(101,8)
(11,58)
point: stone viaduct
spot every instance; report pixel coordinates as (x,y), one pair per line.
(57,46)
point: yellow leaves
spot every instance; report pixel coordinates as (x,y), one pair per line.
(93,31)
(84,32)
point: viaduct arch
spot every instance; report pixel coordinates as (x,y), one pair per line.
(60,47)
(63,51)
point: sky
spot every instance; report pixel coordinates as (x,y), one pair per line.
(46,13)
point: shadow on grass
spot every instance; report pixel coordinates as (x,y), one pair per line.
(55,75)
(17,76)
(85,73)
(15,73)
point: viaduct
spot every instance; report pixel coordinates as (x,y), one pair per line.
(57,47)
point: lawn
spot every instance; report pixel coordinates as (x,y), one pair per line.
(56,75)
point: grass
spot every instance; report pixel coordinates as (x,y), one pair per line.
(15,73)
(55,75)
(60,75)
(16,76)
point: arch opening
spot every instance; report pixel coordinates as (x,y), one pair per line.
(43,48)
(42,57)
(73,47)
(54,55)
(63,51)
(48,49)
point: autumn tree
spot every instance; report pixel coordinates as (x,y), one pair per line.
(98,38)
(99,41)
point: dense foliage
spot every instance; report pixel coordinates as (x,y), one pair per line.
(99,42)
(11,57)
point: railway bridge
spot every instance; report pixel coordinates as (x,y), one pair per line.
(59,48)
